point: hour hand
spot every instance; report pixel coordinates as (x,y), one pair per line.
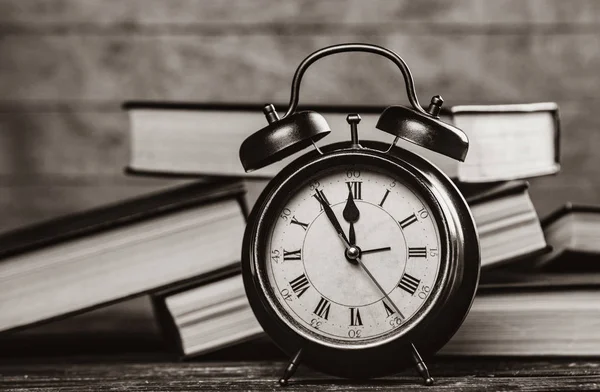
(351,215)
(332,218)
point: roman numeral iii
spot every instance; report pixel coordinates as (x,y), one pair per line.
(408,221)
(409,283)
(300,285)
(420,251)
(355,320)
(322,309)
(292,255)
(355,187)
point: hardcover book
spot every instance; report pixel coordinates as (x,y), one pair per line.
(507,141)
(82,261)
(573,232)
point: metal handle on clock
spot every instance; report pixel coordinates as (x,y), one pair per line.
(328,51)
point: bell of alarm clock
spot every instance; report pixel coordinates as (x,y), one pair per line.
(359,258)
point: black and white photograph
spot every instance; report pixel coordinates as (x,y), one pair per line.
(302,195)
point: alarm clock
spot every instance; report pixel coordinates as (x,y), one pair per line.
(359,258)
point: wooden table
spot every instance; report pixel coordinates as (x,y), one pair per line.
(120,349)
(160,373)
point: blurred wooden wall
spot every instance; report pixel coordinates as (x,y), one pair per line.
(66,66)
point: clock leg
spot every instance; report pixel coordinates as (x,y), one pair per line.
(290,369)
(421,367)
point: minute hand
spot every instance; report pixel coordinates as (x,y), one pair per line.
(333,219)
(362,265)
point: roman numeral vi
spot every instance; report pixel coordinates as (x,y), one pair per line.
(355,320)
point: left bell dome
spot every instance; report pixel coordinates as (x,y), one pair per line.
(282,138)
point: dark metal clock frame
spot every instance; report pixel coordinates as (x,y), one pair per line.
(450,299)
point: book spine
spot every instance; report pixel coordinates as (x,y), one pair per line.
(167,325)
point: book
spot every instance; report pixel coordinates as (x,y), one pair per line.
(507,223)
(572,231)
(534,315)
(173,138)
(82,261)
(210,314)
(506,141)
(511,315)
(509,141)
(126,326)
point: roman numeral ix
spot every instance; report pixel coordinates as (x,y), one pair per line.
(409,283)
(420,251)
(300,285)
(292,255)
(322,309)
(355,187)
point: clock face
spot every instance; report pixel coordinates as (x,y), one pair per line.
(320,288)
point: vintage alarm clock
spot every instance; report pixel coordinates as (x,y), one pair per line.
(359,258)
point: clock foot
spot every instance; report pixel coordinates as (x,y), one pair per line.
(290,369)
(421,367)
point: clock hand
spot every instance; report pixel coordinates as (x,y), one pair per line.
(421,367)
(332,218)
(362,265)
(351,215)
(362,252)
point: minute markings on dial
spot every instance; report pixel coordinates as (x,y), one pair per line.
(310,271)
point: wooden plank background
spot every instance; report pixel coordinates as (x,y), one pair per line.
(66,65)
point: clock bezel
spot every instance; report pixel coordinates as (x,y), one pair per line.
(457,262)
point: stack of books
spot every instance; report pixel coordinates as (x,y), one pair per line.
(182,246)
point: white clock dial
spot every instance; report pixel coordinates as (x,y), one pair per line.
(332,296)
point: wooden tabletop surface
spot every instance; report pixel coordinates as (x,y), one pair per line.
(120,349)
(152,373)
